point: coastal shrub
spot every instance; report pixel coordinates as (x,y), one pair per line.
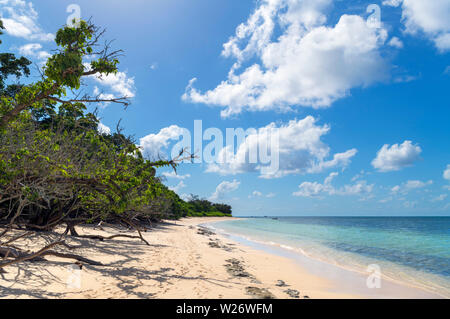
(205,208)
(56,168)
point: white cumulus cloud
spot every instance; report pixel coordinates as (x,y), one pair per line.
(178,187)
(439,198)
(224,188)
(257,194)
(120,84)
(396,43)
(315,189)
(103,129)
(396,157)
(153,145)
(21,20)
(300,150)
(392,3)
(34,50)
(174,175)
(447,173)
(309,64)
(427,17)
(410,185)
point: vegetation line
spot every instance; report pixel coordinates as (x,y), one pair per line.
(57,169)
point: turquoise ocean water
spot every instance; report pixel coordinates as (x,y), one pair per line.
(410,250)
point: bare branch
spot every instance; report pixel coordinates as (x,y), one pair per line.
(122,100)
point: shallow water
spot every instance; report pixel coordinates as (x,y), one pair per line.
(412,250)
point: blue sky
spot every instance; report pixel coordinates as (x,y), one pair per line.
(362,103)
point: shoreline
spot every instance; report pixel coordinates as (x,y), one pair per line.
(349,280)
(184,261)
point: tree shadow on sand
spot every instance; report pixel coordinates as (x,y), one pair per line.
(125,270)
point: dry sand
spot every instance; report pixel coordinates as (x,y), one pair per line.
(181,262)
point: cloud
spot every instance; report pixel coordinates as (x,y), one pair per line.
(21,20)
(386,200)
(309,64)
(406,78)
(405,188)
(314,189)
(396,157)
(447,173)
(224,188)
(359,175)
(153,144)
(34,50)
(186,197)
(103,96)
(177,188)
(260,194)
(120,84)
(396,43)
(430,18)
(174,175)
(103,129)
(417,184)
(410,204)
(392,3)
(257,194)
(300,150)
(439,198)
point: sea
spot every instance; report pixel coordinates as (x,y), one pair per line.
(414,251)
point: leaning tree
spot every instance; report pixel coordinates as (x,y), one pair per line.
(56,169)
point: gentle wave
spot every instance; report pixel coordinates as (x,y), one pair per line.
(416,254)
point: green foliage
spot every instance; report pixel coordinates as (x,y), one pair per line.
(63,73)
(55,167)
(203,208)
(1,28)
(10,65)
(64,173)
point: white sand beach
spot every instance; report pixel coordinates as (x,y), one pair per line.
(182,261)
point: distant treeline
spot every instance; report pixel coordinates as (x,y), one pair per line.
(196,207)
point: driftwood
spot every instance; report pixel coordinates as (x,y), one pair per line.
(137,229)
(71,229)
(13,255)
(102,238)
(6,252)
(25,257)
(19,256)
(72,256)
(16,238)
